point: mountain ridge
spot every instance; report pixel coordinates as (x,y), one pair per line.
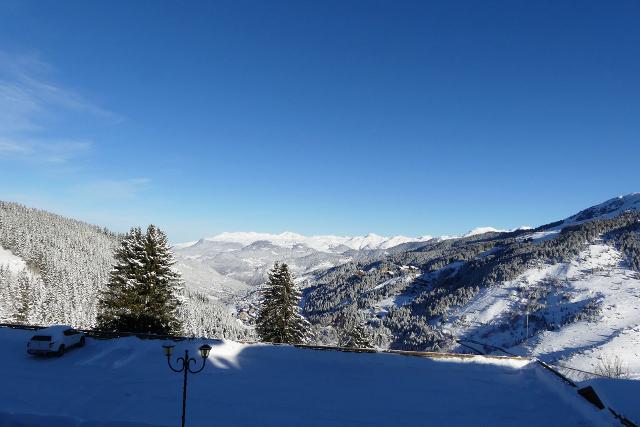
(324,243)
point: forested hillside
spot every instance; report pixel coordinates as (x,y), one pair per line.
(419,299)
(67,262)
(65,265)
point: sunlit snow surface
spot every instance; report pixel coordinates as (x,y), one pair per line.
(126,382)
(10,261)
(598,274)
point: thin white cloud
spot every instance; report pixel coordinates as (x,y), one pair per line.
(42,151)
(28,101)
(115,189)
(18,109)
(13,148)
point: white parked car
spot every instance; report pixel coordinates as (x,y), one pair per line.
(55,340)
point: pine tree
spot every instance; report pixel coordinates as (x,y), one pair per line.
(352,333)
(141,295)
(23,306)
(7,297)
(279,320)
(356,337)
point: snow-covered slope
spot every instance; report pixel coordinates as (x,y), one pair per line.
(205,279)
(567,292)
(580,312)
(16,278)
(606,210)
(126,382)
(11,262)
(609,209)
(52,269)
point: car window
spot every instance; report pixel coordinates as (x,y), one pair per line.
(41,338)
(70,332)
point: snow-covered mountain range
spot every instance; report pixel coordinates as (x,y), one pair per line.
(331,244)
(229,264)
(233,262)
(566,292)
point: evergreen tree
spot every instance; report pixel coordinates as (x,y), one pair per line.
(23,306)
(7,299)
(279,320)
(352,332)
(356,337)
(141,295)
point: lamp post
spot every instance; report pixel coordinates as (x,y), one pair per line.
(184,365)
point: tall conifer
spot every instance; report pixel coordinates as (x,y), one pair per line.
(279,320)
(141,295)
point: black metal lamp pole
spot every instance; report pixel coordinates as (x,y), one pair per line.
(184,365)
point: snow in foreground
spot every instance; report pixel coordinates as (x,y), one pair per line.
(126,382)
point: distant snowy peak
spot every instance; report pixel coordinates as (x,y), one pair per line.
(609,209)
(320,243)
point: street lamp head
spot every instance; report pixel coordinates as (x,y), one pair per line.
(204,350)
(168,349)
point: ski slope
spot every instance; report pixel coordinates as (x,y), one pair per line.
(126,382)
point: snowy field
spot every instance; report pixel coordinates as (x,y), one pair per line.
(126,382)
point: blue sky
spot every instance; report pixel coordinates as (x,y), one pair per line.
(333,117)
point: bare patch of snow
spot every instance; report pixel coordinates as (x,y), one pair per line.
(10,261)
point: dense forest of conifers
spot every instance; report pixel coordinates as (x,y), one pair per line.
(68,263)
